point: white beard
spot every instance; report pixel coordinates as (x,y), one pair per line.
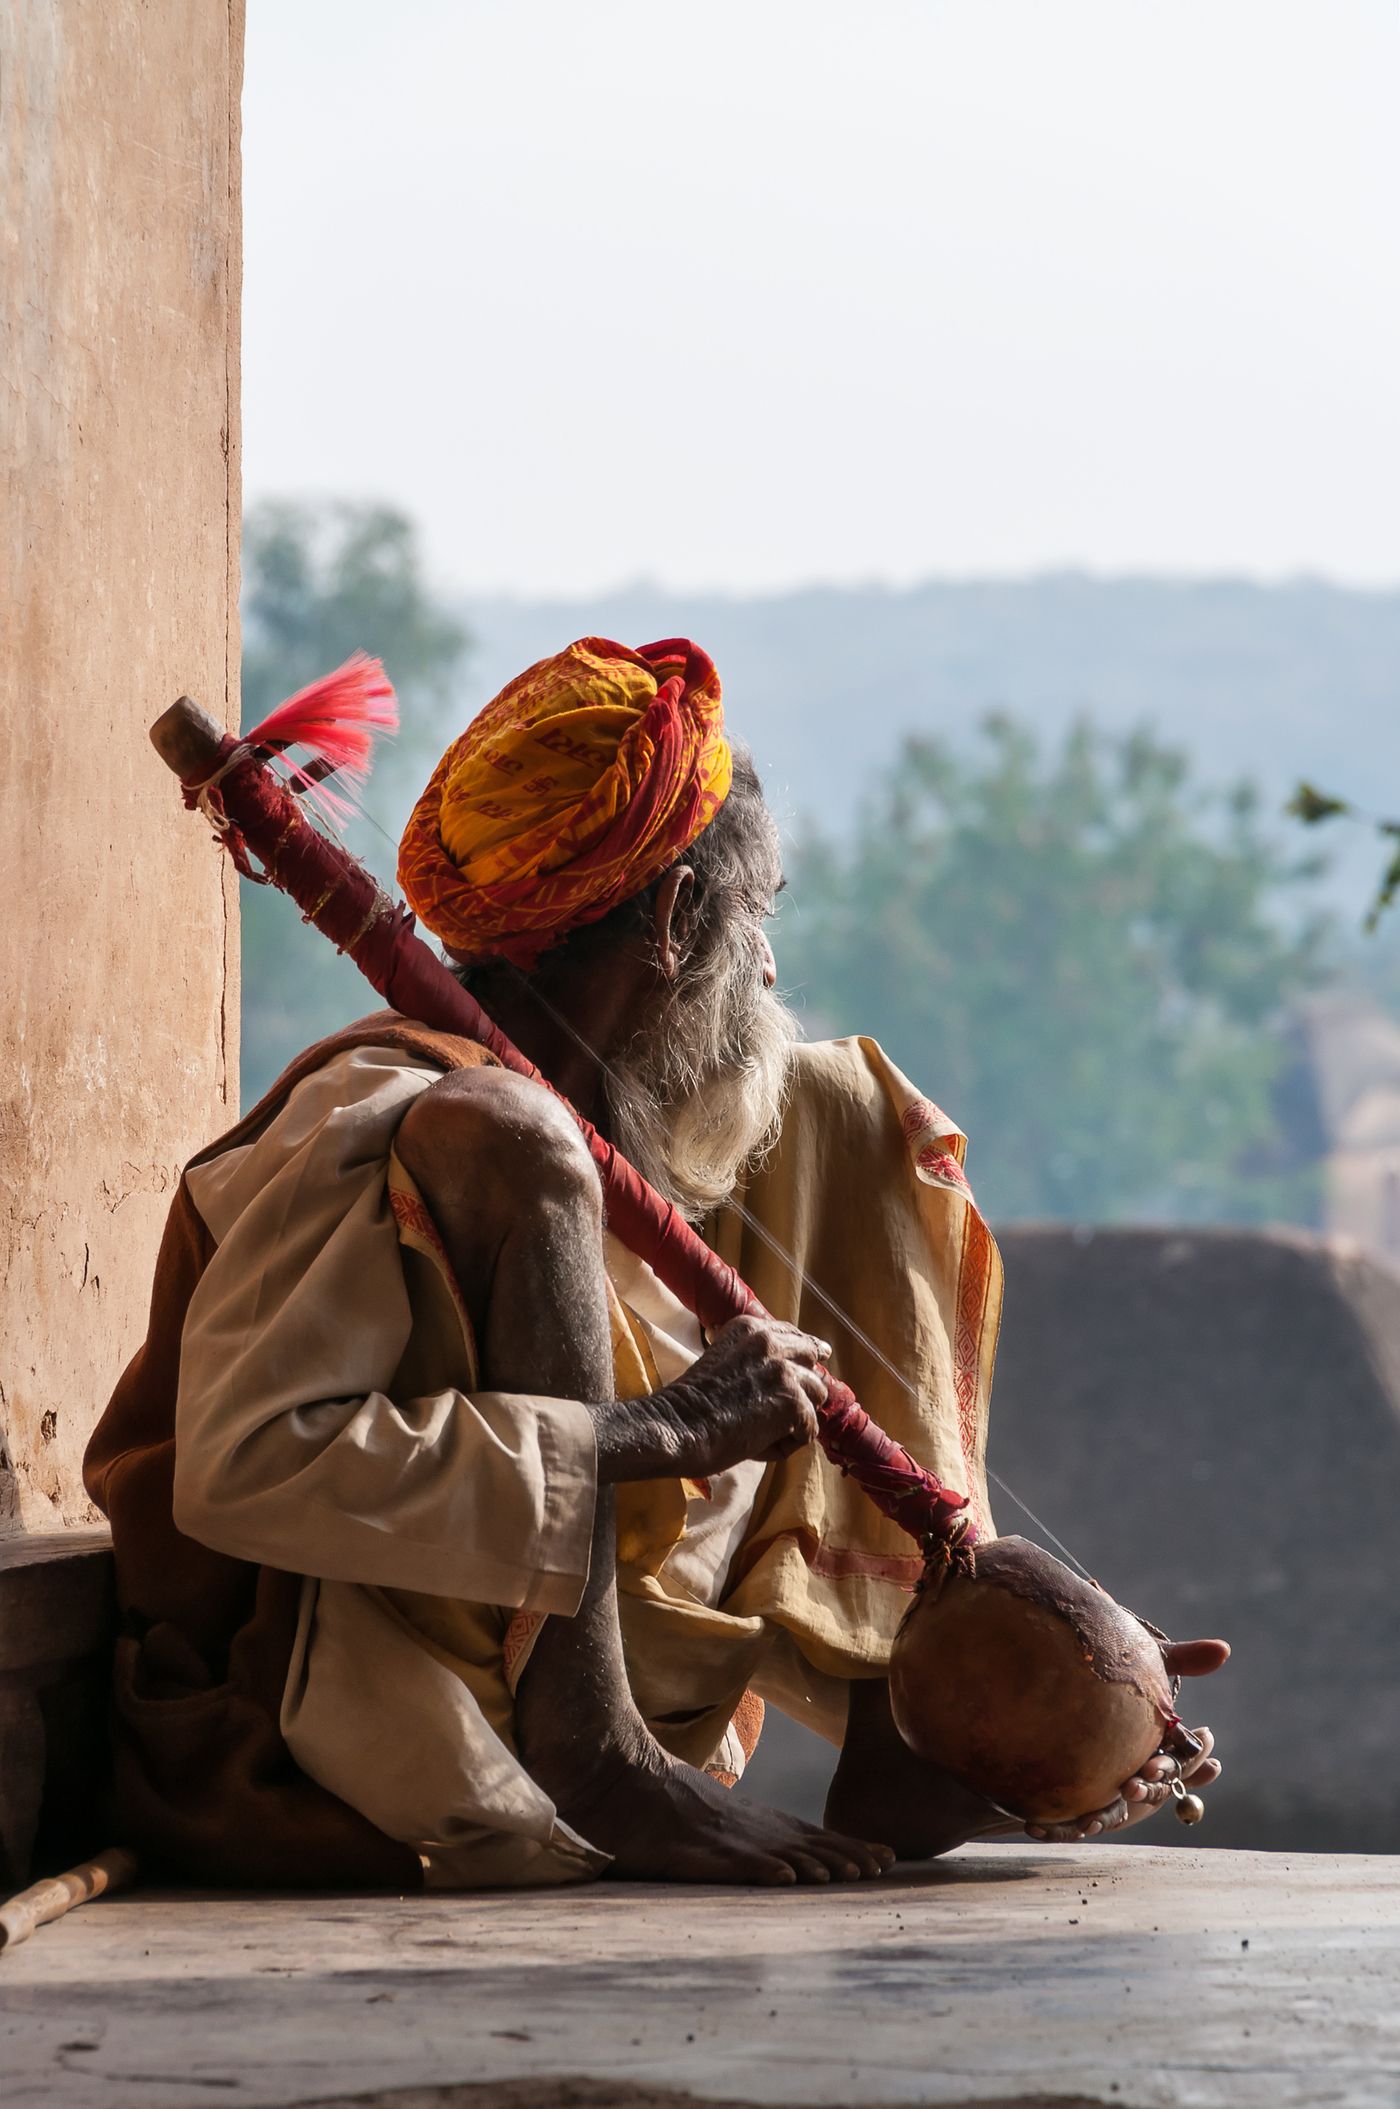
(699,1094)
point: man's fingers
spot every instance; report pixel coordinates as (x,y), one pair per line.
(806,1417)
(1076,1829)
(1183,1748)
(1195,1658)
(802,1432)
(1079,1828)
(784,1342)
(814,1385)
(1148,1789)
(1191,1766)
(795,1346)
(773,1338)
(1146,1793)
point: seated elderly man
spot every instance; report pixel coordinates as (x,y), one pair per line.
(448,1550)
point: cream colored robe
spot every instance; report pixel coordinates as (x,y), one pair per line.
(330,1422)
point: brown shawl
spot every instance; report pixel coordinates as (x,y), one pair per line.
(203,1783)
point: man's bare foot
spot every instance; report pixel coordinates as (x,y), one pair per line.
(663,1821)
(922,1811)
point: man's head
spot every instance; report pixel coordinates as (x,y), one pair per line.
(593,831)
(695,1092)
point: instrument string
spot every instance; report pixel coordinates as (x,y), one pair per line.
(781,1252)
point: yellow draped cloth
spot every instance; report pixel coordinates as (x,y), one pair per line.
(866,1196)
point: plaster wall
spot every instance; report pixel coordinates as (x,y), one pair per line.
(1210,1421)
(119,299)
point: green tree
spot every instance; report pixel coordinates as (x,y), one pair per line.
(1084,957)
(1312,806)
(320,582)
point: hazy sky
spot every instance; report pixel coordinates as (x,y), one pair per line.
(748,293)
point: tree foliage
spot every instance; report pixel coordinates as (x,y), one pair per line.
(1312,806)
(1084,957)
(318,583)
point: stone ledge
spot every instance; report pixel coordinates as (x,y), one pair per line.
(55,1597)
(1139,1978)
(56,1610)
(572,2093)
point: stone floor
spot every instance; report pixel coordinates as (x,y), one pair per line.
(1131,1977)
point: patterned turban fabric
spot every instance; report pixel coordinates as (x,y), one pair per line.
(585,778)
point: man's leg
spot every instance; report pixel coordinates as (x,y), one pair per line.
(517,1202)
(922,1810)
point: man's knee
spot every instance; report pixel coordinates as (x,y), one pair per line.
(487,1140)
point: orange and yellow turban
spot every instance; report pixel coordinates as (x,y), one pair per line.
(585,778)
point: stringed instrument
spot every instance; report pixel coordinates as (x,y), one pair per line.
(1033,1688)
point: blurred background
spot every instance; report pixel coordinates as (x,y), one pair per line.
(1005,396)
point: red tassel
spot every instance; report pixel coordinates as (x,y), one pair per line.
(335,721)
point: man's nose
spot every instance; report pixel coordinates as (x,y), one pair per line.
(770,964)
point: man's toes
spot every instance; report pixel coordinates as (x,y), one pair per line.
(765,1870)
(807,1866)
(839,1865)
(707,1861)
(863,1860)
(866,1862)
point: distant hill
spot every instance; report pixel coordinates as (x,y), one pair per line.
(1269,682)
(1265,682)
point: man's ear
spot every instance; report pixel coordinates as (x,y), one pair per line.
(672,919)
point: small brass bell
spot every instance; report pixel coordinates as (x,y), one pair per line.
(1189,1807)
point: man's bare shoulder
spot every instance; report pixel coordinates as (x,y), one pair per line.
(482,1106)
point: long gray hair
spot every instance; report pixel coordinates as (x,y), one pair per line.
(698,1094)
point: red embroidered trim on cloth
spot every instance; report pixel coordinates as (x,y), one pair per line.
(746,1727)
(411,1215)
(519,1634)
(831,1563)
(923,1117)
(928,1131)
(974,1287)
(941,1168)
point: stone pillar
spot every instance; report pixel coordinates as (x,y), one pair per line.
(119,304)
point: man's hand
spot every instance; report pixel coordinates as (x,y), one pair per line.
(753,1393)
(1184,1757)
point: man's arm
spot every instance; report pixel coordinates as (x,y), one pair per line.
(291,1449)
